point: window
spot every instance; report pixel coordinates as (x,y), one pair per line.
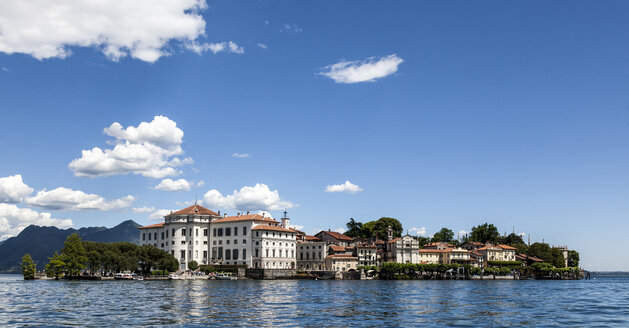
(173,234)
(196,254)
(189,254)
(301,256)
(149,236)
(213,242)
(228,254)
(257,253)
(204,254)
(183,242)
(166,233)
(213,252)
(162,235)
(235,231)
(227,242)
(183,231)
(182,254)
(273,253)
(228,231)
(220,242)
(220,252)
(205,242)
(273,233)
(267,253)
(235,241)
(172,252)
(235,254)
(214,232)
(155,235)
(196,232)
(162,245)
(256,234)
(244,231)
(172,242)
(205,232)
(220,232)
(244,241)
(244,254)
(190,234)
(143,236)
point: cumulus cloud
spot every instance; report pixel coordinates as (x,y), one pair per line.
(65,199)
(143,29)
(239,155)
(258,197)
(13,189)
(340,230)
(262,45)
(230,46)
(368,70)
(144,209)
(158,215)
(347,187)
(14,219)
(5,69)
(200,183)
(174,185)
(150,150)
(265,214)
(463,233)
(417,231)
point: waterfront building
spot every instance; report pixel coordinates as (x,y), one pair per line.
(477,259)
(199,234)
(430,256)
(438,245)
(311,254)
(367,254)
(472,245)
(341,262)
(333,237)
(497,253)
(403,249)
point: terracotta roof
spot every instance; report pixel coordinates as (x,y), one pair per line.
(245,217)
(343,255)
(433,250)
(194,209)
(379,242)
(312,238)
(336,235)
(506,247)
(158,225)
(337,248)
(474,252)
(394,240)
(438,243)
(476,243)
(271,228)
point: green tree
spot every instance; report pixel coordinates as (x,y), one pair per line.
(54,268)
(485,233)
(193,265)
(521,249)
(73,255)
(168,263)
(422,241)
(541,251)
(559,261)
(354,228)
(29,267)
(443,235)
(378,228)
(573,259)
(512,239)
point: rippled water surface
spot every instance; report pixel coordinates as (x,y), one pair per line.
(600,302)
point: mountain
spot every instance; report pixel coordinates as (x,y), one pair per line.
(42,242)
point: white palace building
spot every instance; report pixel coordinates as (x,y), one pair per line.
(199,234)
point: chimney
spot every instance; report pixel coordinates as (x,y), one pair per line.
(224,214)
(247,212)
(285,221)
(219,213)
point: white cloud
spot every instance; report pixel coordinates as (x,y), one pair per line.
(200,183)
(522,234)
(262,45)
(291,28)
(265,214)
(266,22)
(13,189)
(14,219)
(296,226)
(347,187)
(367,70)
(144,209)
(258,197)
(417,231)
(239,155)
(65,199)
(158,215)
(340,230)
(143,29)
(6,69)
(174,185)
(150,150)
(230,47)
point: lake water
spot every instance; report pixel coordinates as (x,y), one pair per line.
(600,302)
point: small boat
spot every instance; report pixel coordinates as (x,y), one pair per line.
(174,276)
(223,276)
(123,276)
(138,278)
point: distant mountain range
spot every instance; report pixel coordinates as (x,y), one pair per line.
(42,242)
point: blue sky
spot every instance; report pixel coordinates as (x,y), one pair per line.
(512,113)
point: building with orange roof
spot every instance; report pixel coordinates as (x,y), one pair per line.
(199,234)
(333,237)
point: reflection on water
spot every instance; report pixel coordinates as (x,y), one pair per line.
(314,303)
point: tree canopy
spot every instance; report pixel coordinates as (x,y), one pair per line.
(443,235)
(376,228)
(29,267)
(485,233)
(73,255)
